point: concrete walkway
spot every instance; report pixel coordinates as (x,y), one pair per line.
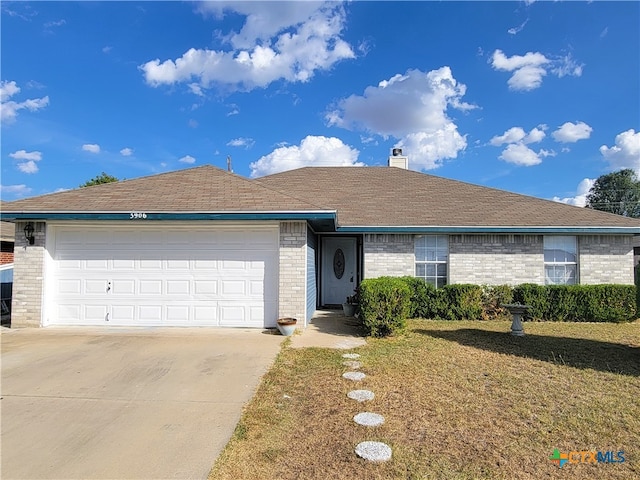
(125,403)
(330,329)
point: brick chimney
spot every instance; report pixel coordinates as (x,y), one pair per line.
(398,160)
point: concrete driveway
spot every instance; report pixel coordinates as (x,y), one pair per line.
(124,403)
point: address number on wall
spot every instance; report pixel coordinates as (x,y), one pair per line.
(137,215)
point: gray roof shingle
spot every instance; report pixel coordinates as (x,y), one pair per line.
(200,189)
(390,196)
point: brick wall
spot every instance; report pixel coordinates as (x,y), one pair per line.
(292,277)
(606,259)
(496,259)
(28,275)
(388,255)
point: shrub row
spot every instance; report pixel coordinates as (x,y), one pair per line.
(386,302)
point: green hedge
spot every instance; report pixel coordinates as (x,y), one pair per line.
(385,304)
(578,303)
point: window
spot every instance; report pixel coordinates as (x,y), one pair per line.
(560,260)
(432,252)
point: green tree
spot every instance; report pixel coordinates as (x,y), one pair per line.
(617,192)
(99,179)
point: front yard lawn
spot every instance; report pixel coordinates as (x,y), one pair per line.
(461,400)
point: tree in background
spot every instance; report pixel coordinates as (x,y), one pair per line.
(617,192)
(99,179)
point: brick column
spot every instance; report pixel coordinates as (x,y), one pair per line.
(28,277)
(292,277)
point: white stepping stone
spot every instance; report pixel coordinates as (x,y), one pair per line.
(374,451)
(352,364)
(360,395)
(352,356)
(355,376)
(369,419)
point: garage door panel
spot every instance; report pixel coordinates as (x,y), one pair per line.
(150,287)
(122,286)
(122,314)
(96,313)
(178,287)
(158,277)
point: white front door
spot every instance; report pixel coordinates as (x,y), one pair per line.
(339,269)
(169,275)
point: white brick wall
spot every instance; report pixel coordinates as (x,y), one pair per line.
(28,276)
(292,277)
(496,259)
(606,259)
(389,255)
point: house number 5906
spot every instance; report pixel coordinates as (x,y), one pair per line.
(137,215)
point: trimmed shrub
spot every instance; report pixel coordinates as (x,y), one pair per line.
(423,298)
(492,297)
(460,302)
(535,296)
(605,303)
(384,305)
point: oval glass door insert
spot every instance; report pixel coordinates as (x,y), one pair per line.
(338,263)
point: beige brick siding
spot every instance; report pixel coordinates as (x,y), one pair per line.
(292,275)
(496,259)
(605,259)
(388,255)
(28,278)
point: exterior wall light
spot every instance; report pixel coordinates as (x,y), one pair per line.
(28,233)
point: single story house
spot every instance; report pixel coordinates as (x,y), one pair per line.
(203,246)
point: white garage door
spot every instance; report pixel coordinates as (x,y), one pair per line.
(173,276)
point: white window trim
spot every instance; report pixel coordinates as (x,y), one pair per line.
(432,262)
(562,264)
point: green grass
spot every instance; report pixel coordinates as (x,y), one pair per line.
(461,400)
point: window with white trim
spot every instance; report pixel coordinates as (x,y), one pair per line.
(432,254)
(560,260)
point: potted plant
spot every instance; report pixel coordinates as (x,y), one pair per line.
(287,326)
(351,305)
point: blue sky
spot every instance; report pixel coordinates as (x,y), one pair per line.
(538,98)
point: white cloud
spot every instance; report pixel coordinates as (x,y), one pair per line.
(528,70)
(57,23)
(518,29)
(312,151)
(15,190)
(187,159)
(241,142)
(580,199)
(91,147)
(9,109)
(126,152)
(24,155)
(518,135)
(107,49)
(27,160)
(28,167)
(411,108)
(520,154)
(572,132)
(279,41)
(625,153)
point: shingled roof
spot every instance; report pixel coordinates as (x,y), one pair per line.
(200,189)
(363,197)
(390,196)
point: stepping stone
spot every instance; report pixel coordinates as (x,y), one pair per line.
(374,451)
(369,419)
(352,356)
(352,364)
(355,376)
(360,395)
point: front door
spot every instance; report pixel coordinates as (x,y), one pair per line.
(339,269)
